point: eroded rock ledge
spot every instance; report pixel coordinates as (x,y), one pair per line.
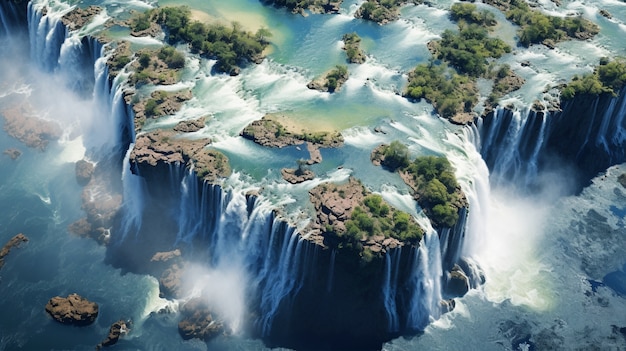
(166,147)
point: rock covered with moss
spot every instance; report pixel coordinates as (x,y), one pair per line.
(351,44)
(314,6)
(382,11)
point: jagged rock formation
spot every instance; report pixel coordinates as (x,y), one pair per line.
(22,123)
(198,321)
(11,244)
(72,310)
(117,330)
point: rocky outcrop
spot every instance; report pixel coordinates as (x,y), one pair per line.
(84,172)
(198,321)
(458,282)
(297,175)
(14,154)
(170,282)
(22,123)
(117,330)
(161,103)
(190,126)
(78,17)
(167,148)
(330,81)
(72,310)
(11,244)
(334,205)
(269,132)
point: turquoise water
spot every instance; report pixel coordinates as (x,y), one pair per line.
(529,270)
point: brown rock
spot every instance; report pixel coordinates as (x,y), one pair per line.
(190,126)
(22,124)
(84,171)
(116,330)
(73,310)
(164,147)
(12,243)
(295,175)
(78,17)
(198,321)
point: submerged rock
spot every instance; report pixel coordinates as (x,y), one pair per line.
(73,310)
(13,153)
(22,124)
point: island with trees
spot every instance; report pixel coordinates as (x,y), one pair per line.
(431,178)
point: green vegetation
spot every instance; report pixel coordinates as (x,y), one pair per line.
(468,50)
(437,187)
(432,178)
(382,11)
(230,45)
(396,155)
(607,78)
(449,92)
(537,27)
(377,218)
(298,6)
(466,14)
(158,66)
(119,61)
(336,77)
(352,43)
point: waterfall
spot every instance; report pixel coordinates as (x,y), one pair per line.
(425,283)
(47,34)
(390,289)
(511,144)
(133,202)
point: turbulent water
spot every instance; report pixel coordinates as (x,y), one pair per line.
(554,262)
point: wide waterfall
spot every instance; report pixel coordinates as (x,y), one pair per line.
(242,244)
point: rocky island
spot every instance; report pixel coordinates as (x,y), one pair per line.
(72,310)
(14,242)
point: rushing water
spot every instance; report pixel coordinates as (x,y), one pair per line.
(553,264)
